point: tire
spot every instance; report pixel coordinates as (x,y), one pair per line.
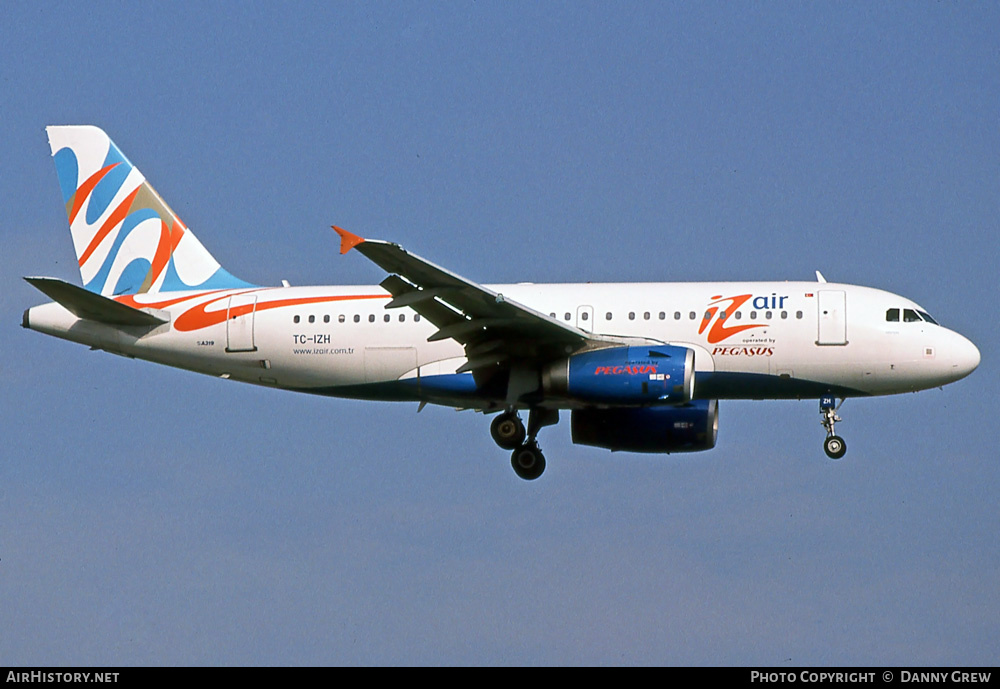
(507,431)
(835,447)
(528,462)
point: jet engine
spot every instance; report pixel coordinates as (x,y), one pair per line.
(691,427)
(624,375)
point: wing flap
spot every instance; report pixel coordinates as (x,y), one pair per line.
(433,310)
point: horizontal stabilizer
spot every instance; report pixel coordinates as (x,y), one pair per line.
(83,303)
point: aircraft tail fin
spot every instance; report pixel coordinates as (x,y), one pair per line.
(127,239)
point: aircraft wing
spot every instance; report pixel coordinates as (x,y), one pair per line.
(493,328)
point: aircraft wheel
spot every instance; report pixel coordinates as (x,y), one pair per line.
(528,462)
(835,447)
(507,431)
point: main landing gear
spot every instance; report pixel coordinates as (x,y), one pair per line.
(509,433)
(507,430)
(834,445)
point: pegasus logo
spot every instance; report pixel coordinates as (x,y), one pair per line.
(624,370)
(721,309)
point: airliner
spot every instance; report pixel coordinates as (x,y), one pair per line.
(639,367)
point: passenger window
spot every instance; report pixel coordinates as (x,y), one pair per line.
(371,318)
(607,316)
(798,314)
(566,317)
(663,316)
(910,316)
(295,319)
(738,315)
(722,315)
(416,318)
(326,318)
(767,315)
(784,315)
(341,318)
(677,315)
(386,318)
(312,319)
(584,316)
(693,315)
(402,317)
(357,318)
(631,315)
(753,315)
(645,316)
(892,316)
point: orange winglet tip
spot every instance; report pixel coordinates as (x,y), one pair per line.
(348,240)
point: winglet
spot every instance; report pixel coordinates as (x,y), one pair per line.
(348,240)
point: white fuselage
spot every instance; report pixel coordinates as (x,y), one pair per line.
(752,340)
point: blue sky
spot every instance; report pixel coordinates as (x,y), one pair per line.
(152,516)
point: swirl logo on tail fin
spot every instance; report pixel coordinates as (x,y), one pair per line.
(127,239)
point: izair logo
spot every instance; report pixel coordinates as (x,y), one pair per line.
(721,309)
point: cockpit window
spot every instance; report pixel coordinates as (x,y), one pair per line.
(909,316)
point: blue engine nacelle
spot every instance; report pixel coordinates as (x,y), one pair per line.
(688,428)
(624,375)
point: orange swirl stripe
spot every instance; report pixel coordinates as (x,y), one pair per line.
(84,191)
(199,316)
(116,217)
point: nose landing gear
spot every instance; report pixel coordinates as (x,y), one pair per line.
(834,445)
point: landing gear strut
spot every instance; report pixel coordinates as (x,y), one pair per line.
(509,433)
(834,445)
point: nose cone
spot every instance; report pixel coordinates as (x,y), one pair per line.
(963,356)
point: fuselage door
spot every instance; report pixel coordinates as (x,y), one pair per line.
(832,317)
(239,323)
